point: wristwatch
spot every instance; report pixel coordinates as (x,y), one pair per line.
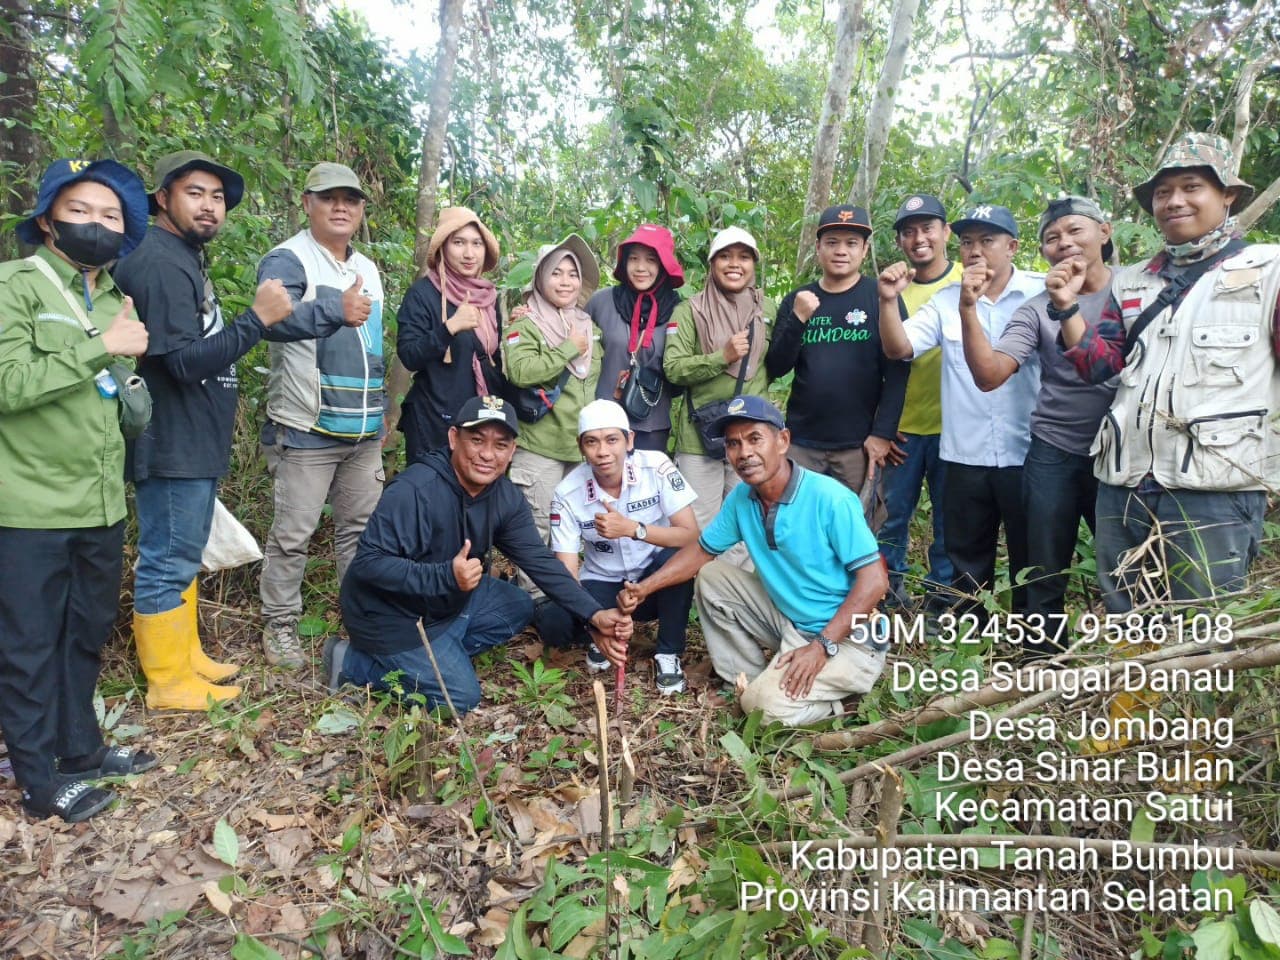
(642,532)
(830,646)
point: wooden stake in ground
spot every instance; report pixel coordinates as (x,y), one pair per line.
(602,745)
(874,919)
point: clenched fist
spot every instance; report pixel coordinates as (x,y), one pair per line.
(894,279)
(272,303)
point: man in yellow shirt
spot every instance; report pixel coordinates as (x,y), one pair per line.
(922,235)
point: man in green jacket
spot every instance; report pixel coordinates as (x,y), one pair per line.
(62,321)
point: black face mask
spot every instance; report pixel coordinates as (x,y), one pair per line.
(86,244)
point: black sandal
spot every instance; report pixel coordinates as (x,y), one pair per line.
(74,802)
(115,762)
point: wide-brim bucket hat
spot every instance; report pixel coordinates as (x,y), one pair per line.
(1197,150)
(453,219)
(116,177)
(173,165)
(588,269)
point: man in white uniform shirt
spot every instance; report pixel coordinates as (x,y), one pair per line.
(628,510)
(985,436)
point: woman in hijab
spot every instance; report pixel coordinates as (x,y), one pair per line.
(717,351)
(448,330)
(633,319)
(552,355)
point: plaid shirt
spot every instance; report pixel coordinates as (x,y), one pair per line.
(1099,355)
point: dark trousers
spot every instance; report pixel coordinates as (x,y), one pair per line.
(59,591)
(978,500)
(1208,540)
(1059,490)
(670,607)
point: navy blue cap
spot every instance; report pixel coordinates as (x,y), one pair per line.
(477,411)
(747,408)
(987,215)
(920,205)
(116,176)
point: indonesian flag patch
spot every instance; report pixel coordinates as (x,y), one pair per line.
(1129,309)
(513,338)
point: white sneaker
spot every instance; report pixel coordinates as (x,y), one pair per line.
(597,662)
(668,674)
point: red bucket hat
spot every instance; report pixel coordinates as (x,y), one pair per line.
(660,241)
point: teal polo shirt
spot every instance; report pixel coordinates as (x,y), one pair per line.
(807,549)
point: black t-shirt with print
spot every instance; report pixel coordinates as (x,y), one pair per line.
(844,388)
(190,362)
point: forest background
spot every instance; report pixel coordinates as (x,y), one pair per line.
(550,117)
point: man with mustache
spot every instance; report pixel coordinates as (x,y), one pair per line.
(190,370)
(817,579)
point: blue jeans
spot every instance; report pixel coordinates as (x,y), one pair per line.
(902,485)
(1209,539)
(1058,489)
(495,612)
(174,516)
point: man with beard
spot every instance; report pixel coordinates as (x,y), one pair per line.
(921,234)
(190,370)
(816,583)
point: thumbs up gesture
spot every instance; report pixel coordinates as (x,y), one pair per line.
(356,307)
(612,525)
(466,317)
(467,570)
(126,337)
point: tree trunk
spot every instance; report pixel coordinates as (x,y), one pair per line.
(1263,202)
(880,116)
(17,112)
(437,124)
(830,122)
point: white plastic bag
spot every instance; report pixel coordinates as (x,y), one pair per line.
(230,544)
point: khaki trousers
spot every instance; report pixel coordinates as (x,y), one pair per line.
(738,616)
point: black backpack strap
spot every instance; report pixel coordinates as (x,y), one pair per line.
(1173,293)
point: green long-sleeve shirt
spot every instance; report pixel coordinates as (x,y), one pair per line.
(704,374)
(61,450)
(529,361)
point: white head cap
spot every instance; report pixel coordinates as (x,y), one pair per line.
(602,415)
(728,237)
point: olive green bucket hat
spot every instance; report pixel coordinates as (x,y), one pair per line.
(173,165)
(1197,150)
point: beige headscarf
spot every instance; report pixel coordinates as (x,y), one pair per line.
(559,324)
(717,316)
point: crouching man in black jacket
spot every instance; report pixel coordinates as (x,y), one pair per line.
(424,554)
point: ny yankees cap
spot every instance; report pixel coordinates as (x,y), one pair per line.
(987,215)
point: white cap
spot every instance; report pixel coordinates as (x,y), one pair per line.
(728,237)
(602,415)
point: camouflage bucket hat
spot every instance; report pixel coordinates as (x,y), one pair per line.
(1197,150)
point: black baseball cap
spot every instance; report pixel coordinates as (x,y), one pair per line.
(478,411)
(747,408)
(987,215)
(845,216)
(920,205)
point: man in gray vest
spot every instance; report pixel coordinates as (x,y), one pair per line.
(325,399)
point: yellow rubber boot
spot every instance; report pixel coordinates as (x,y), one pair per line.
(162,644)
(200,662)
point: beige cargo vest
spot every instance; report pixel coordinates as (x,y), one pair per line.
(1198,398)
